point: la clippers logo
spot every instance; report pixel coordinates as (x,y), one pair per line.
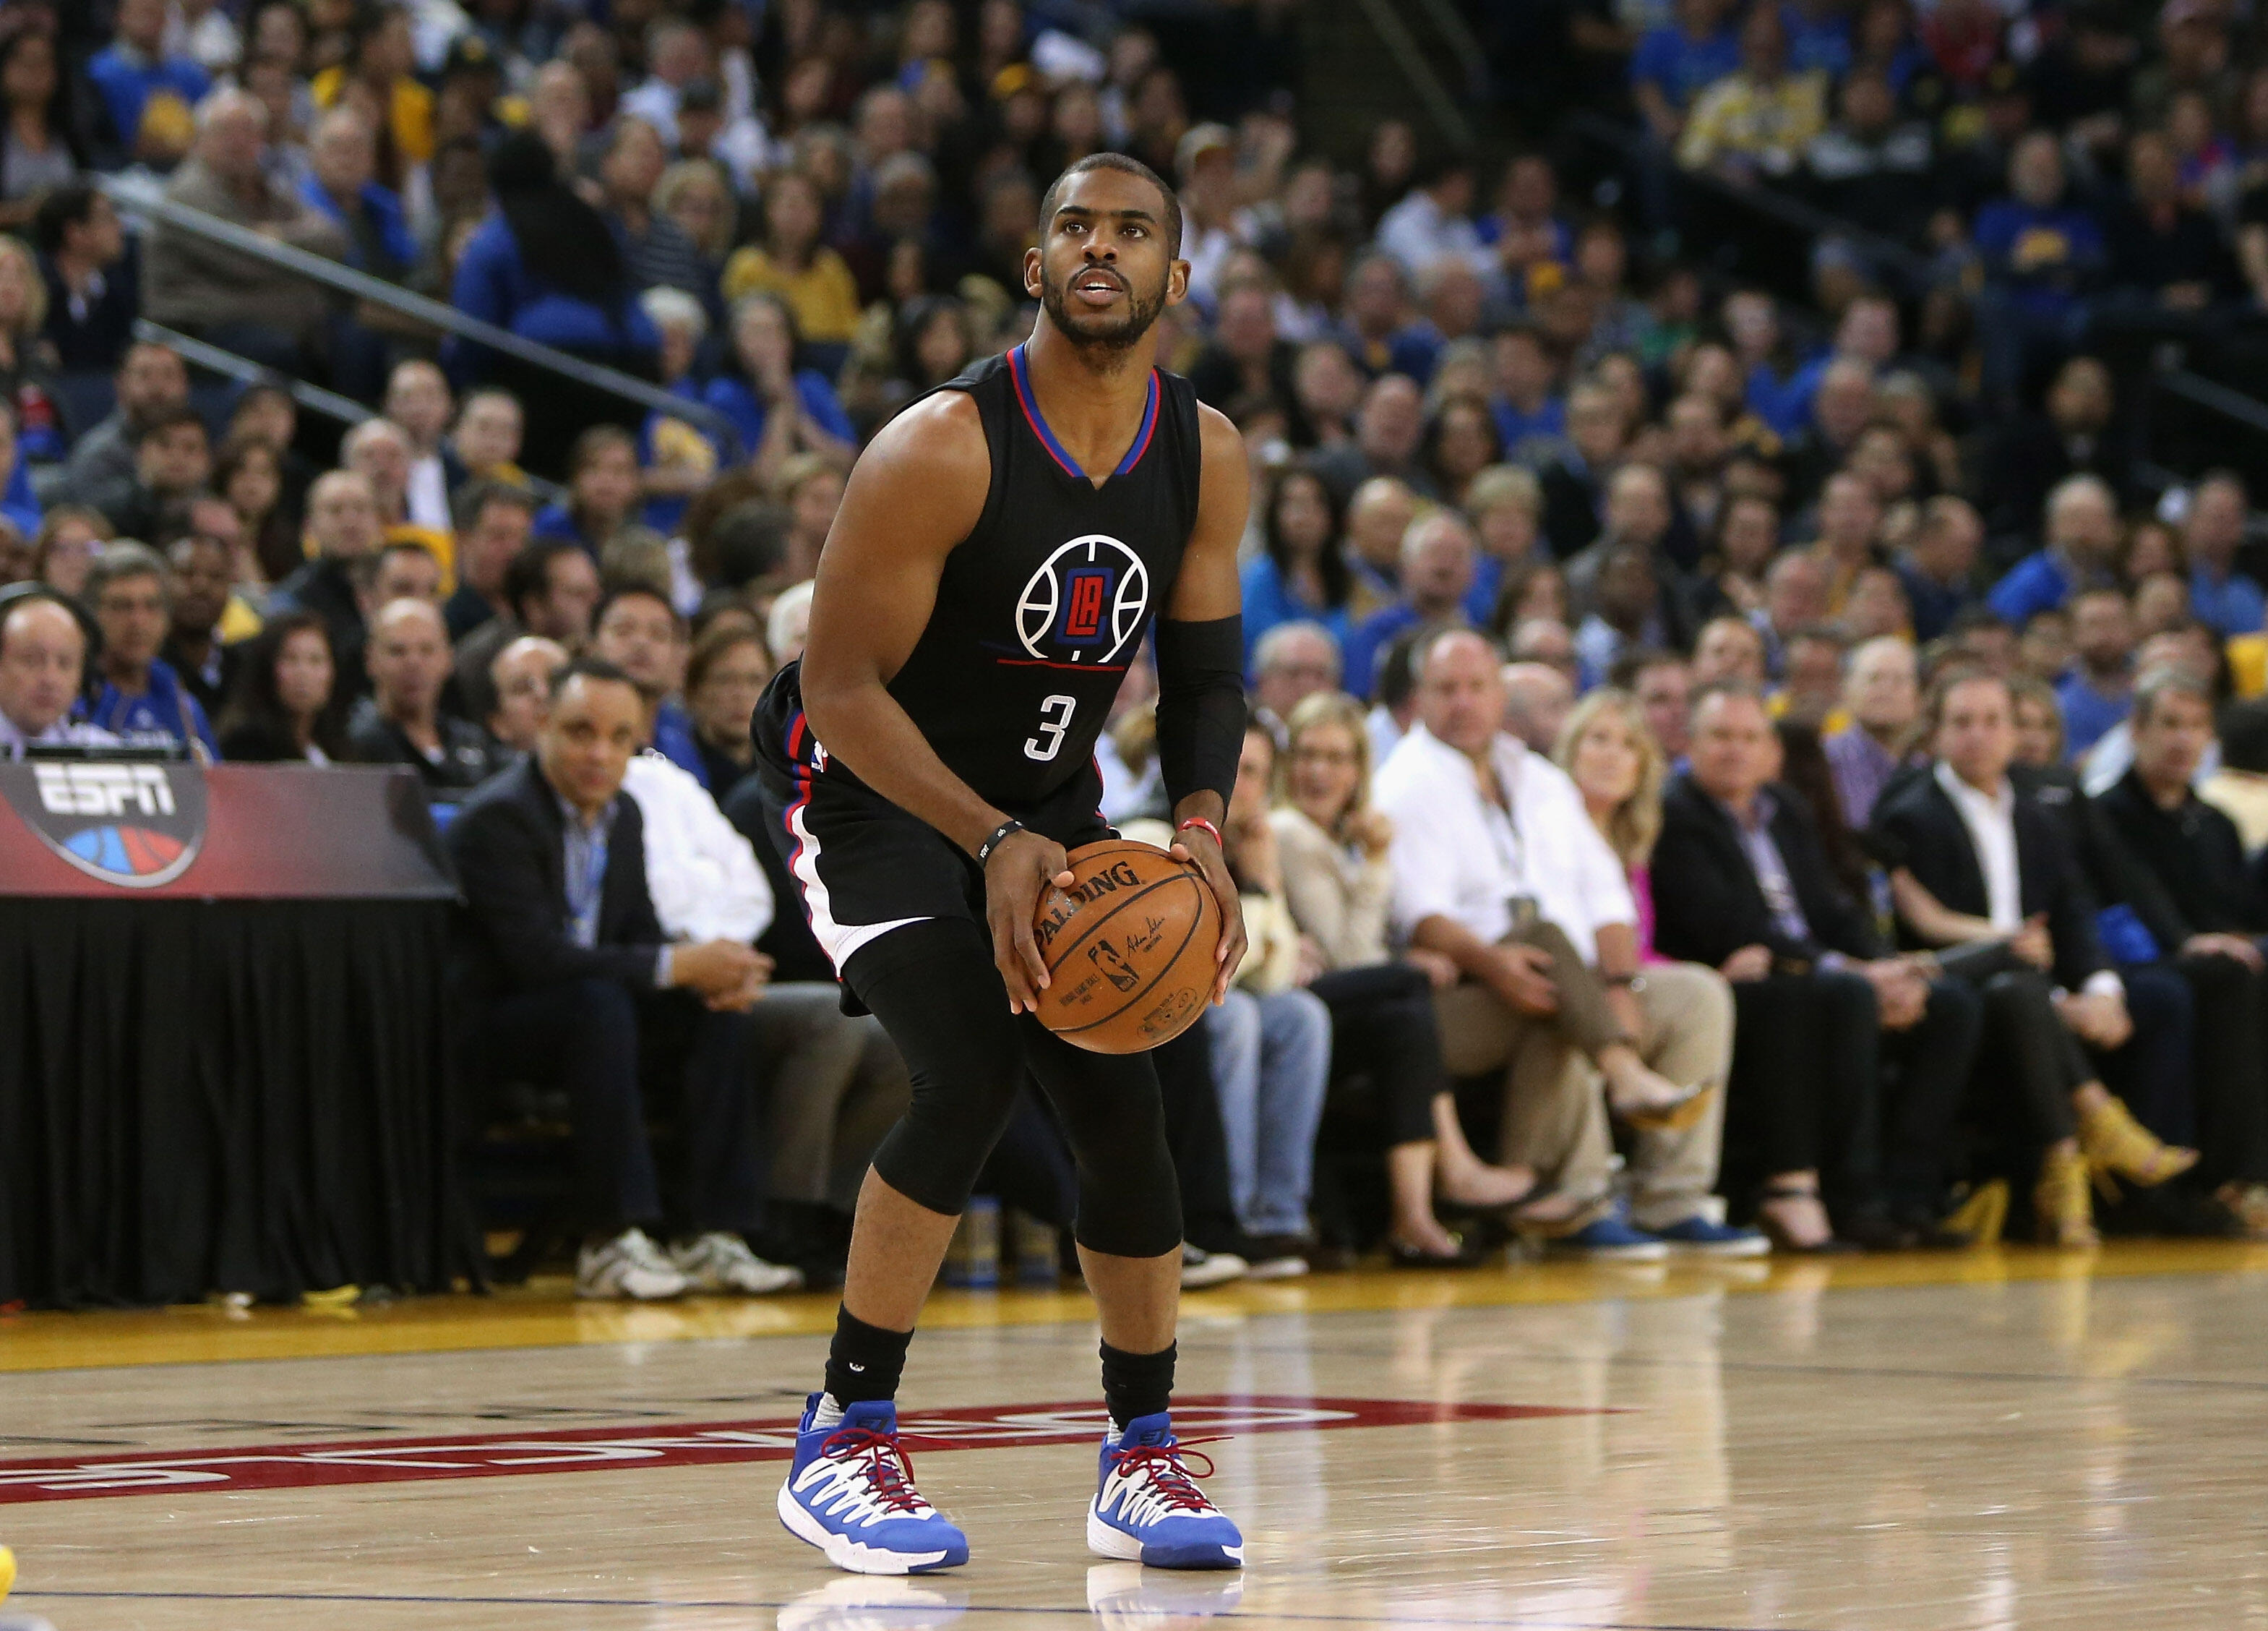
(135,825)
(1084,602)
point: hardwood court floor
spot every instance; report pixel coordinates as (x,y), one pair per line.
(2008,1440)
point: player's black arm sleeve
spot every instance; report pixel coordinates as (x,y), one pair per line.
(1200,705)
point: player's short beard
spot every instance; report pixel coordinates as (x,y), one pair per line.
(1104,344)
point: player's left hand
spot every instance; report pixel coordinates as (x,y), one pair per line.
(1196,845)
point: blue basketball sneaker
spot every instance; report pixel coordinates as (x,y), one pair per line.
(851,1493)
(1146,1510)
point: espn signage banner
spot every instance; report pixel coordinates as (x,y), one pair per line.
(93,828)
(136,825)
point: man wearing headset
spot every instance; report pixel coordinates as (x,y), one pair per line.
(42,675)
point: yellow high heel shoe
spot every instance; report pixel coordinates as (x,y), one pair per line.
(2114,1141)
(1983,1216)
(7,1572)
(2063,1206)
(1675,1116)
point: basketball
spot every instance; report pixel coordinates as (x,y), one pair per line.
(1130,948)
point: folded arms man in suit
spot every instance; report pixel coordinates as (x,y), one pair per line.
(568,978)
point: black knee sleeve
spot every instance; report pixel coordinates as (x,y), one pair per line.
(1129,1199)
(933,986)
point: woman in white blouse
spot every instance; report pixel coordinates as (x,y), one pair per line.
(1332,847)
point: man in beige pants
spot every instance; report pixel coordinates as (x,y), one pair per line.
(1497,868)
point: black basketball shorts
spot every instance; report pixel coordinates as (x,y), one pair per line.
(865,866)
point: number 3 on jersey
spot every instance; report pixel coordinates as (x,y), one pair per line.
(1055,720)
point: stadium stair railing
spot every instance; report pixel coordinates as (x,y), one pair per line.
(142,199)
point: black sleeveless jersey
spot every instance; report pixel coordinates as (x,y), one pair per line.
(1042,607)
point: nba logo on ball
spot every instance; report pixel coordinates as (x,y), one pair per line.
(1084,602)
(134,825)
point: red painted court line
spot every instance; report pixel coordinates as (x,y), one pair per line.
(707,1443)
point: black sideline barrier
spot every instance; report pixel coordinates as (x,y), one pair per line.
(224,1051)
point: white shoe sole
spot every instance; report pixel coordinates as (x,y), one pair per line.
(846,1553)
(1104,1541)
(791,1281)
(1759,1247)
(1202,1278)
(765,1279)
(624,1294)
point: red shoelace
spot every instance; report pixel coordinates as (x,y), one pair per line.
(889,1469)
(1167,1474)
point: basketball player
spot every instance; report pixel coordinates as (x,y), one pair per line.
(1002,549)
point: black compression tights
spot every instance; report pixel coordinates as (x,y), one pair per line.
(933,986)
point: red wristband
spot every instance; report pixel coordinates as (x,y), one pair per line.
(1199,821)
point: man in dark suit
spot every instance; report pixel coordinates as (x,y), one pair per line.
(201,563)
(1998,868)
(402,721)
(569,977)
(1741,882)
(1575,483)
(550,590)
(343,526)
(2022,458)
(89,268)
(2205,908)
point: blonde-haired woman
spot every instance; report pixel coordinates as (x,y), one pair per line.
(1623,770)
(1331,852)
(1505,504)
(693,193)
(1610,755)
(25,380)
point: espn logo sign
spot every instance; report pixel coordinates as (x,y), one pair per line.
(135,825)
(104,789)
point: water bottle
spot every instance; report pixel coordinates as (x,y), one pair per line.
(1038,1252)
(972,1258)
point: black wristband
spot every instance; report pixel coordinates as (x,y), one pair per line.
(984,850)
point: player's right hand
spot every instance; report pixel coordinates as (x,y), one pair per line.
(1024,864)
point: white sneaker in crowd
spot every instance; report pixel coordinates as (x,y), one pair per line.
(1276,1256)
(1201,1268)
(721,1262)
(628,1266)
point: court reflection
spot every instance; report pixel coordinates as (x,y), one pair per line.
(1126,1597)
(875,1603)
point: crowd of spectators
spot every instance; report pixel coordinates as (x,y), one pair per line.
(1798,753)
